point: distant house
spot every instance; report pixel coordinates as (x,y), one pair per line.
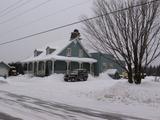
(4,69)
(64,57)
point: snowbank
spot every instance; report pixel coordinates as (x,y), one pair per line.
(101,93)
(2,80)
(147,93)
(102,88)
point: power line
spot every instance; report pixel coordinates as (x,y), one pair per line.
(11,10)
(10,6)
(67,25)
(22,13)
(44,17)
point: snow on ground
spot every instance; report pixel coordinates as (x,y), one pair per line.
(2,80)
(101,93)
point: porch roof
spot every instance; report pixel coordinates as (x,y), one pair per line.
(61,58)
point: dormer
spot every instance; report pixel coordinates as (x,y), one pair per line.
(49,50)
(37,52)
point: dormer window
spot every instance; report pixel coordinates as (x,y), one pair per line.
(37,52)
(68,52)
(49,50)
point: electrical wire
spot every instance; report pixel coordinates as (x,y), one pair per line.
(12,5)
(77,22)
(22,13)
(44,17)
(13,9)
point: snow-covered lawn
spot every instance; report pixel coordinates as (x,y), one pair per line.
(100,93)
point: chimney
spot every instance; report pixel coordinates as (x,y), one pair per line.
(75,34)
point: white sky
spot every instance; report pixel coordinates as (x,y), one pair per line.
(13,27)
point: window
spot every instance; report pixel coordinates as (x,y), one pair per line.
(35,53)
(68,52)
(80,53)
(47,51)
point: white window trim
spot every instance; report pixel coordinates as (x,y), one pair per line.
(69,52)
(81,53)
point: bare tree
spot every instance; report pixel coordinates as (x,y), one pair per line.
(131,33)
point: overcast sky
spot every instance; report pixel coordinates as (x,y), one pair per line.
(26,17)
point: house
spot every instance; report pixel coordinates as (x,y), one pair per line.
(64,57)
(4,69)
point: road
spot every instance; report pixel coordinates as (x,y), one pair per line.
(26,107)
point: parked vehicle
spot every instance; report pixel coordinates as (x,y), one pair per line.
(113,73)
(76,75)
(12,71)
(125,75)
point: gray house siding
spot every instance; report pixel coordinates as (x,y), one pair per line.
(75,48)
(96,65)
(104,62)
(60,66)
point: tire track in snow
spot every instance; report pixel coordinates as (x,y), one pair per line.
(63,111)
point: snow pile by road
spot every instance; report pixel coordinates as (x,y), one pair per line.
(147,93)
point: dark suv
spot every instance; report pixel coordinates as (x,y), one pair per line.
(76,75)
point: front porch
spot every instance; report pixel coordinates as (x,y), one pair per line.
(48,67)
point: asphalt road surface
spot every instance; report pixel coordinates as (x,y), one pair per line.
(48,110)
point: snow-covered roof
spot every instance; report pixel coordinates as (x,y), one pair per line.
(5,64)
(64,58)
(59,46)
(111,71)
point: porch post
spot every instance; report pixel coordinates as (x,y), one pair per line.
(37,68)
(68,66)
(44,71)
(33,67)
(53,66)
(27,68)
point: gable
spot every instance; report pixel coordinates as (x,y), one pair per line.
(75,49)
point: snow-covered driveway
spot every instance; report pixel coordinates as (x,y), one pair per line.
(24,107)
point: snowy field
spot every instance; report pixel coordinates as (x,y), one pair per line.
(100,93)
